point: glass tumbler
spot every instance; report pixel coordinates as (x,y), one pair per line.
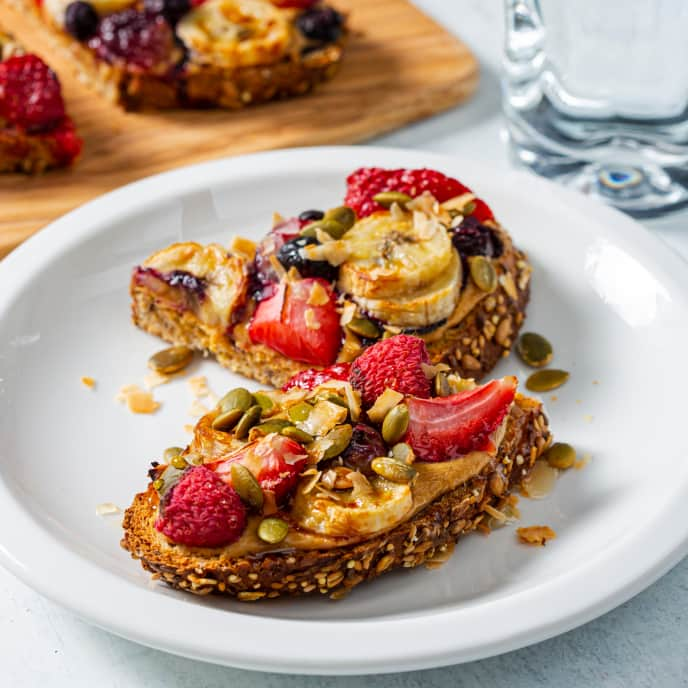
(595,95)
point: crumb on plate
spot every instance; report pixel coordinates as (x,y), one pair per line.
(137,399)
(583,461)
(155,379)
(107,509)
(199,386)
(197,409)
(87,381)
(535,535)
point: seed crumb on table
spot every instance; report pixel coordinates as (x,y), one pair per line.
(87,381)
(137,399)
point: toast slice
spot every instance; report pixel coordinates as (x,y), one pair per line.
(345,518)
(202,53)
(302,299)
(31,146)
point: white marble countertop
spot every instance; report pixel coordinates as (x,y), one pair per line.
(642,643)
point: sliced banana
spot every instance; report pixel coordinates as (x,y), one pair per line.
(236,33)
(424,307)
(390,256)
(56,10)
(385,506)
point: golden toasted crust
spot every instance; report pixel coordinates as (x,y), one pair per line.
(199,85)
(426,537)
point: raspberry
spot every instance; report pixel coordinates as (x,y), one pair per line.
(308,379)
(366,182)
(202,511)
(30,94)
(140,40)
(473,239)
(67,144)
(394,362)
(365,445)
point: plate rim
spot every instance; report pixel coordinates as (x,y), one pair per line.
(433,644)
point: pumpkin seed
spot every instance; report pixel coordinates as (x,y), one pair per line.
(273,530)
(386,198)
(246,485)
(441,384)
(227,420)
(264,401)
(483,273)
(534,349)
(179,462)
(238,398)
(273,425)
(395,424)
(299,412)
(170,453)
(469,208)
(545,380)
(170,360)
(339,438)
(158,484)
(344,215)
(335,229)
(364,328)
(560,455)
(248,420)
(403,452)
(297,434)
(393,470)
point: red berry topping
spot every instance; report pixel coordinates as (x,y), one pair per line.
(30,95)
(67,144)
(308,379)
(366,182)
(446,427)
(141,41)
(275,461)
(301,4)
(394,362)
(295,323)
(202,511)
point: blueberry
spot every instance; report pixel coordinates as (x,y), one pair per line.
(81,20)
(365,445)
(322,24)
(172,10)
(311,216)
(290,257)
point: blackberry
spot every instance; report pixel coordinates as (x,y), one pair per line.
(290,257)
(474,239)
(81,20)
(322,24)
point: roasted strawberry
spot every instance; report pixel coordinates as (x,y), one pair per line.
(299,321)
(443,428)
(308,379)
(394,362)
(275,461)
(366,182)
(202,511)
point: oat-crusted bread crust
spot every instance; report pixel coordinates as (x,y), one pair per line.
(198,85)
(427,537)
(471,347)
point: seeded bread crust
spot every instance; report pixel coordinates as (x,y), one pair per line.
(27,153)
(197,85)
(472,347)
(426,538)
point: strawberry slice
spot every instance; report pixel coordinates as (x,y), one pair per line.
(296,323)
(443,428)
(308,379)
(275,461)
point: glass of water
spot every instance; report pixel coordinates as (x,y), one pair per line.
(595,94)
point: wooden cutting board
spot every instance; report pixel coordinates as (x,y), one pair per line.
(400,66)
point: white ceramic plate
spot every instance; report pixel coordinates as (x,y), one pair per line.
(613,301)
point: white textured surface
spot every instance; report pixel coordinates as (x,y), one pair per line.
(643,643)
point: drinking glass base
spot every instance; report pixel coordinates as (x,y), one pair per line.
(641,190)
